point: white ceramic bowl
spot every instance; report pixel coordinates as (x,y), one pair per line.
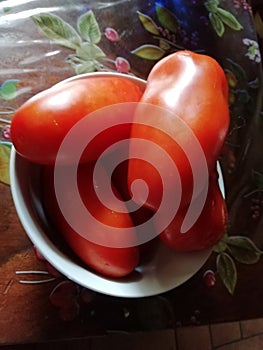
(164,271)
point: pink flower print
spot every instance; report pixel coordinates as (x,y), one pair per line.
(111,34)
(6,132)
(122,65)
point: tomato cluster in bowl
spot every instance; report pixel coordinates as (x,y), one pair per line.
(185,94)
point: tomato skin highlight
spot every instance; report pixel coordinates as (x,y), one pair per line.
(108,261)
(207,230)
(192,88)
(41,123)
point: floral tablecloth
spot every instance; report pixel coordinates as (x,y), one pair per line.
(43,42)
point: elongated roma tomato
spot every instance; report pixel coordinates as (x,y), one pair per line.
(109,261)
(191,118)
(41,123)
(207,230)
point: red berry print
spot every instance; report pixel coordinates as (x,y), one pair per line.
(209,278)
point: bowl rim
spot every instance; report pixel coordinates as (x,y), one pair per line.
(141,82)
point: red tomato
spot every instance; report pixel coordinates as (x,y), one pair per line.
(40,124)
(193,89)
(206,231)
(109,261)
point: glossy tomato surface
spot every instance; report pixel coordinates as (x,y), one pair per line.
(186,114)
(105,260)
(208,229)
(41,123)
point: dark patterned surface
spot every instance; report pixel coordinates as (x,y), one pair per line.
(193,302)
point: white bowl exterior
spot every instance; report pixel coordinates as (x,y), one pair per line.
(165,272)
